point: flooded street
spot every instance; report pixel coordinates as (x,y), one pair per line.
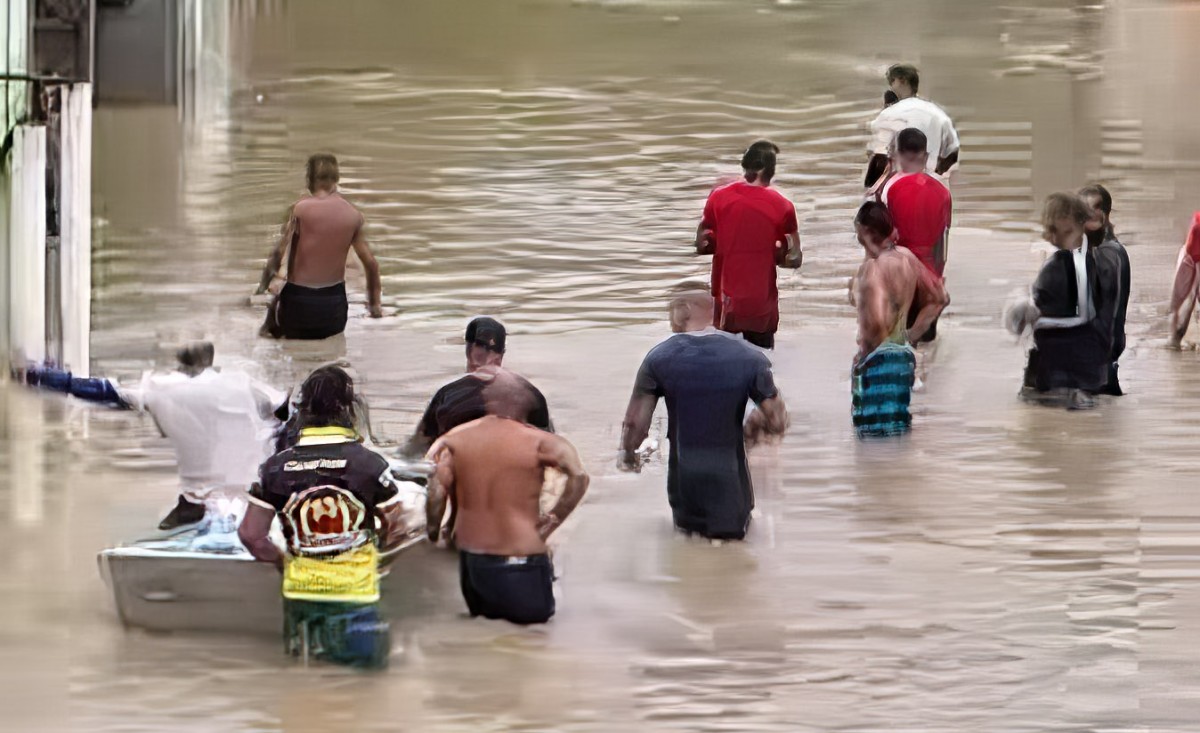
(1003,568)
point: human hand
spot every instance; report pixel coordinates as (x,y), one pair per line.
(547,523)
(629,461)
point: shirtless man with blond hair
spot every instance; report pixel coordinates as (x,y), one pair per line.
(491,470)
(321,229)
(889,285)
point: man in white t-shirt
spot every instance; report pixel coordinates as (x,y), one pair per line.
(220,423)
(911,111)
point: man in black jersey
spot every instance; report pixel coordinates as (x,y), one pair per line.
(333,496)
(461,401)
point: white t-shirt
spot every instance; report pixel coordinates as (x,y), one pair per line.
(921,114)
(219,424)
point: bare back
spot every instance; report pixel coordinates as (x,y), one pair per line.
(326,226)
(498,469)
(888,285)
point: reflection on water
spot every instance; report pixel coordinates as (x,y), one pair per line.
(1002,568)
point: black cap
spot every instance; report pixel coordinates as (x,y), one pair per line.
(486,332)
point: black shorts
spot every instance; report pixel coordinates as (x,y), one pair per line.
(516,589)
(310,313)
(761,339)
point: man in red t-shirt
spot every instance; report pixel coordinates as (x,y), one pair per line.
(749,228)
(919,205)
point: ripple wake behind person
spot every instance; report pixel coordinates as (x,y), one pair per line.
(321,229)
(335,498)
(749,228)
(707,377)
(491,470)
(892,289)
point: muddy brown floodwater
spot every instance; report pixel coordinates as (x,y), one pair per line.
(1004,568)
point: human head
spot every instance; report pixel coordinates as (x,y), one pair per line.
(1064,218)
(758,162)
(890,98)
(485,342)
(904,80)
(321,172)
(690,310)
(327,398)
(195,357)
(873,225)
(912,150)
(1099,200)
(506,395)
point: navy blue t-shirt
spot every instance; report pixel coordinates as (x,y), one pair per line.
(707,377)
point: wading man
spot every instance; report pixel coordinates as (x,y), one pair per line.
(1113,278)
(919,206)
(321,229)
(461,401)
(491,472)
(910,111)
(891,284)
(707,378)
(749,228)
(336,500)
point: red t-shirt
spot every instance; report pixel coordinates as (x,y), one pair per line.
(1193,239)
(747,222)
(920,209)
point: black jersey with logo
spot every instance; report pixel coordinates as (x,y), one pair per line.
(328,489)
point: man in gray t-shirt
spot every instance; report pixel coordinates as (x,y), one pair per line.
(706,376)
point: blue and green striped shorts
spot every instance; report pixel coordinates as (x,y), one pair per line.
(882,387)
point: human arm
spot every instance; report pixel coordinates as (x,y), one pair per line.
(876,167)
(769,419)
(706,244)
(635,428)
(287,235)
(931,299)
(556,452)
(371,268)
(254,531)
(949,148)
(441,489)
(944,164)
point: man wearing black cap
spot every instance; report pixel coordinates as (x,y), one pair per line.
(461,401)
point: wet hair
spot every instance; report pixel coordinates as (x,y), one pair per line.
(322,170)
(911,140)
(906,73)
(1064,205)
(196,356)
(759,159)
(1095,189)
(327,398)
(874,217)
